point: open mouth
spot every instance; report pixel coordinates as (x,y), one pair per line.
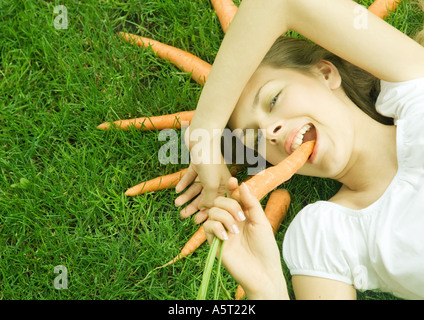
(306,133)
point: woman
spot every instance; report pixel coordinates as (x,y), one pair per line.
(368,236)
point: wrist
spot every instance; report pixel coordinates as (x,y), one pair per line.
(273,290)
(206,137)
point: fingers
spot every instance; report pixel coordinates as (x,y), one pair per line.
(189,194)
(201,216)
(226,219)
(186,180)
(232,184)
(214,229)
(231,206)
(191,208)
(251,206)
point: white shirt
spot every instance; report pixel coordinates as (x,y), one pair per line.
(380,246)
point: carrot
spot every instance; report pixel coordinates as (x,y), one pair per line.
(382,8)
(158,183)
(275,211)
(225,10)
(191,245)
(167,181)
(276,207)
(240,294)
(195,242)
(184,60)
(262,183)
(167,121)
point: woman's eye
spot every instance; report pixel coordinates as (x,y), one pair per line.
(273,101)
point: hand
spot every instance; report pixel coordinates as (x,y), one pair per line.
(205,190)
(251,253)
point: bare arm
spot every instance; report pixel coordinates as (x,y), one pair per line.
(376,47)
(373,45)
(314,288)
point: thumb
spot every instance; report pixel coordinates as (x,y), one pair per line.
(251,206)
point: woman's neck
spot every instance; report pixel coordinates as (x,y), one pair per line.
(372,166)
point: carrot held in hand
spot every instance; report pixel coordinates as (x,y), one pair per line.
(225,10)
(167,121)
(264,182)
(382,8)
(184,60)
(275,211)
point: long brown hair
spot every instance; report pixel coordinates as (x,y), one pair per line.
(301,54)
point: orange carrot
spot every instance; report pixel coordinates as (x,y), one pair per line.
(158,183)
(264,182)
(240,294)
(191,245)
(184,60)
(167,121)
(382,8)
(195,242)
(276,207)
(275,211)
(167,181)
(225,10)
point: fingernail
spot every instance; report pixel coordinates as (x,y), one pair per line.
(224,235)
(235,229)
(241,216)
(176,202)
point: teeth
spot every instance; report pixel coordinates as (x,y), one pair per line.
(299,138)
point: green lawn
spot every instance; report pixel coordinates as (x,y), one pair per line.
(62,181)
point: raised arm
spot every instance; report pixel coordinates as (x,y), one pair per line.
(353,33)
(341,26)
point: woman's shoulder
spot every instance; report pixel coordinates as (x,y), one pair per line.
(400,100)
(318,217)
(319,242)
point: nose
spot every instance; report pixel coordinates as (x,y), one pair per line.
(273,132)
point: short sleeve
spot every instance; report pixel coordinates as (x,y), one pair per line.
(400,100)
(404,101)
(318,243)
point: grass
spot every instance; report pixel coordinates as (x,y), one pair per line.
(62,180)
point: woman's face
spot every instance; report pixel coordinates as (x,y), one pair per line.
(291,108)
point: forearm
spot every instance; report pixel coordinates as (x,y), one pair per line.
(277,290)
(253,31)
(256,26)
(333,24)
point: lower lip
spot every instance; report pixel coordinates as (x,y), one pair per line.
(314,152)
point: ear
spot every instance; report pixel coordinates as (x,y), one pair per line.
(329,74)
